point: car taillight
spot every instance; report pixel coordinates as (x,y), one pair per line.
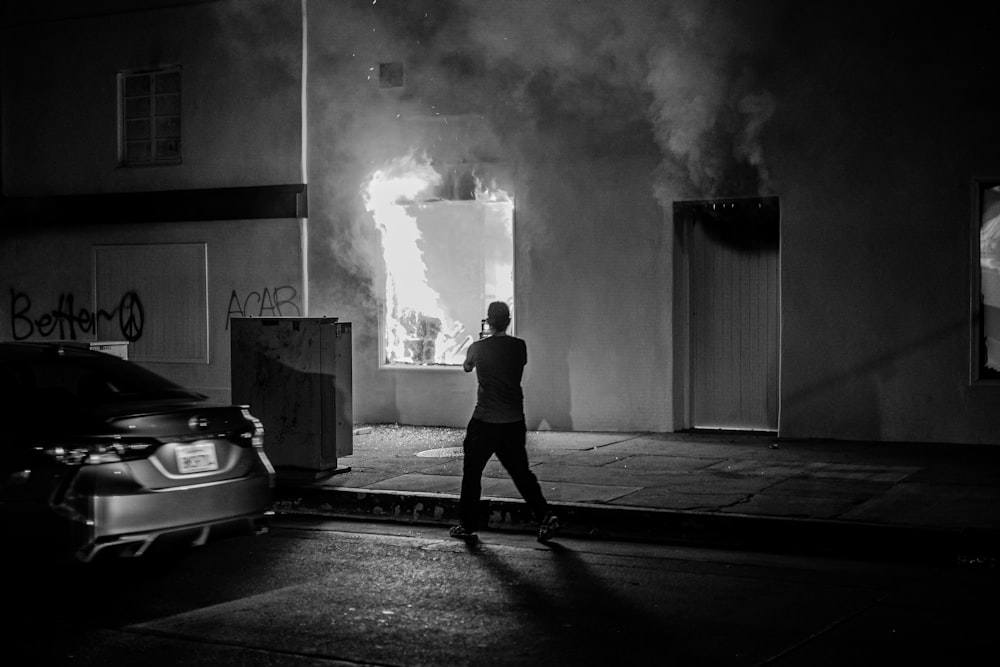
(92,453)
(256,434)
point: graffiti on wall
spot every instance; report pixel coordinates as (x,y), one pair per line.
(270,302)
(65,320)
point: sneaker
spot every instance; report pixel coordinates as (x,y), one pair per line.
(549,527)
(461,533)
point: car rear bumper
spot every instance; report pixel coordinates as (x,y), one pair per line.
(130,524)
(137,544)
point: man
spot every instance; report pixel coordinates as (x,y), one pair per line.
(497,426)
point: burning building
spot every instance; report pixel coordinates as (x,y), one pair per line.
(465,234)
(713,214)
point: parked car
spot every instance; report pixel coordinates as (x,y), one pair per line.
(99,455)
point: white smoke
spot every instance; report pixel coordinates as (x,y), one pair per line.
(678,75)
(684,67)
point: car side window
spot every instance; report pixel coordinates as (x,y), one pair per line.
(56,385)
(94,389)
(16,388)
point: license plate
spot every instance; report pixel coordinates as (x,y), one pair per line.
(196,457)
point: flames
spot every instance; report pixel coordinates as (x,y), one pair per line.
(419,328)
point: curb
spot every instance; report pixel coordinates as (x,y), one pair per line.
(795,536)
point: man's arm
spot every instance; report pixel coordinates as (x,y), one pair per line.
(469,364)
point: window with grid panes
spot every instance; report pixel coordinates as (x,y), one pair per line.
(150,109)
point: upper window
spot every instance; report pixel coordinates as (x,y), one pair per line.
(986,351)
(149,117)
(447,252)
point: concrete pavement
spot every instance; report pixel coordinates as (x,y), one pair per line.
(900,501)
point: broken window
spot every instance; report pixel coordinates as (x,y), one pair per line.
(448,251)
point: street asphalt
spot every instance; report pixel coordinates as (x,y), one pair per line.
(912,502)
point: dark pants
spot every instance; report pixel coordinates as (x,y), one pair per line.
(507,441)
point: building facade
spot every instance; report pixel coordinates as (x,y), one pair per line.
(769,216)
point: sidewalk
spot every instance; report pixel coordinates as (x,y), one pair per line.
(912,502)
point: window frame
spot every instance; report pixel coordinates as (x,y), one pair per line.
(979,375)
(380,285)
(155,158)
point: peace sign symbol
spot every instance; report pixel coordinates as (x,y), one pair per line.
(131,316)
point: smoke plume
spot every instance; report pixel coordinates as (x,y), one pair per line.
(486,80)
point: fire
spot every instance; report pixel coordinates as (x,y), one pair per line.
(419,329)
(491,194)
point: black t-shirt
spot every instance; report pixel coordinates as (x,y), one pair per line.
(499,362)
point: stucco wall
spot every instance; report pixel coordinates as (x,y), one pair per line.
(241,84)
(870,135)
(240,96)
(594,309)
(870,129)
(254,269)
(592,245)
(875,151)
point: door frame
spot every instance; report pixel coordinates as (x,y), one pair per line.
(685,212)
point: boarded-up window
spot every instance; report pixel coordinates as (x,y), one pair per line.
(156,297)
